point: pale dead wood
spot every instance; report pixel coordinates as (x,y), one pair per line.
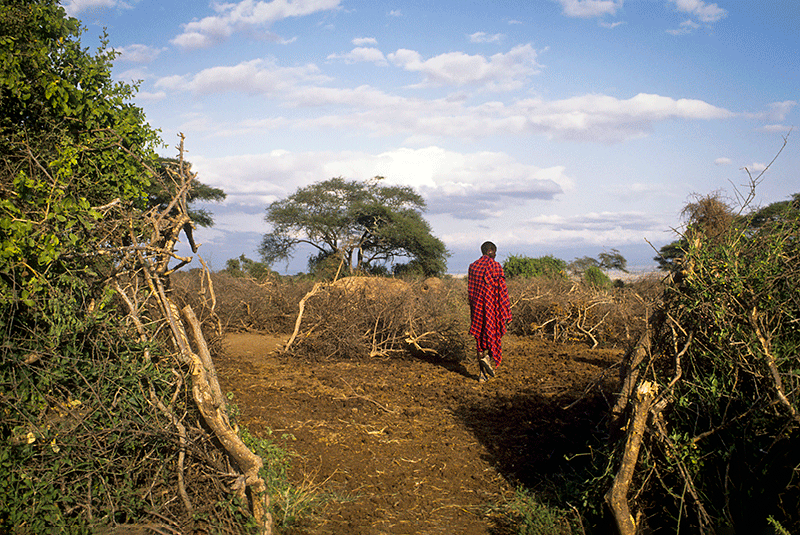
(149,263)
(617,495)
(302,306)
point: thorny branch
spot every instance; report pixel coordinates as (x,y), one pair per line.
(143,266)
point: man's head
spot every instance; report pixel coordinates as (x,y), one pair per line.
(489,249)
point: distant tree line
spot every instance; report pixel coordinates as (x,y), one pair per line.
(592,270)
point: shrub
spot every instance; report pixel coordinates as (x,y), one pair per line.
(595,277)
(720,450)
(545,266)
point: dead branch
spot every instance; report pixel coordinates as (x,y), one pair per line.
(182,452)
(149,263)
(617,495)
(302,305)
(773,369)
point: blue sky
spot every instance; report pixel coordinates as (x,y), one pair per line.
(563,127)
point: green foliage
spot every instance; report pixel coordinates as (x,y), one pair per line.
(545,266)
(777,212)
(612,261)
(594,276)
(246,267)
(580,265)
(734,328)
(711,211)
(63,443)
(605,261)
(61,102)
(366,223)
(530,516)
(669,253)
(290,503)
(83,445)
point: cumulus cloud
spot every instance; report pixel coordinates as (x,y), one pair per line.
(704,11)
(687,26)
(483,37)
(151,97)
(246,15)
(373,111)
(255,76)
(467,186)
(722,161)
(589,8)
(137,53)
(611,25)
(362,41)
(362,54)
(606,118)
(501,72)
(73,7)
(755,168)
(777,111)
(395,13)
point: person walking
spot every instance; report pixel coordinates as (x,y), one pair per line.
(490,309)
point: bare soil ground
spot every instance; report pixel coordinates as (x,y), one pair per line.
(416,446)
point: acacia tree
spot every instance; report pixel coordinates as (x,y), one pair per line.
(366,224)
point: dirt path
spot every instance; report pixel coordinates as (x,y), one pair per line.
(415,446)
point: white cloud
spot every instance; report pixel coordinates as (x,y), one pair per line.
(73,7)
(722,161)
(395,13)
(595,118)
(598,221)
(606,118)
(138,53)
(362,54)
(483,37)
(361,41)
(151,97)
(780,128)
(589,8)
(192,40)
(704,11)
(502,72)
(779,110)
(255,76)
(243,16)
(687,26)
(467,186)
(611,25)
(372,111)
(754,168)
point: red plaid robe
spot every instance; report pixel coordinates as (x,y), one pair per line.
(488,304)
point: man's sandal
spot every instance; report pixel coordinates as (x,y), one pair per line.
(486,365)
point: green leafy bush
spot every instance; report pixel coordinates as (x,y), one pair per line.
(545,266)
(595,277)
(721,451)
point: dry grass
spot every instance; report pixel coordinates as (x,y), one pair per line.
(368,316)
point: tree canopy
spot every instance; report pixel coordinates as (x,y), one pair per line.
(367,224)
